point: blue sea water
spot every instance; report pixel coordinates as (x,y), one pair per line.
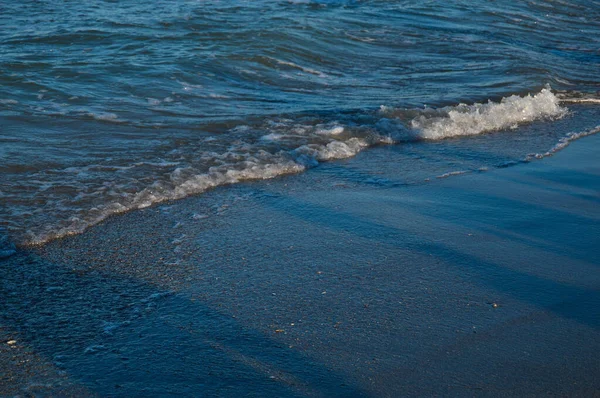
(107,107)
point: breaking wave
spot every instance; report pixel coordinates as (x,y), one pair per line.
(475,119)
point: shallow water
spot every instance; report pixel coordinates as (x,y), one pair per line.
(109,107)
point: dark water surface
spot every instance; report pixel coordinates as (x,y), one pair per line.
(110,106)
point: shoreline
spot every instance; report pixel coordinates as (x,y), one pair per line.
(73,211)
(485,283)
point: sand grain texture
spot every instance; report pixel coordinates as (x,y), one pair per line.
(478,284)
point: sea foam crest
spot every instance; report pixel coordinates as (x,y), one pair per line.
(463,120)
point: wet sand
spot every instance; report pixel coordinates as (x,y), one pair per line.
(323,284)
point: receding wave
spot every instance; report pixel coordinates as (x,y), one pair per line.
(75,198)
(241,162)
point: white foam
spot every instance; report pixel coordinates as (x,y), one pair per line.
(107,117)
(336,130)
(581,100)
(272,137)
(563,143)
(578,97)
(475,119)
(334,149)
(453,173)
(218,96)
(275,148)
(241,163)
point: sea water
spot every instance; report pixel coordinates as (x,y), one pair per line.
(107,107)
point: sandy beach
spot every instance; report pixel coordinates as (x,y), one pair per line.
(335,282)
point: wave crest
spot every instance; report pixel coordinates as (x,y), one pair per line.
(463,120)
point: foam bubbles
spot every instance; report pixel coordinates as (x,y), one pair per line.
(334,149)
(336,130)
(242,161)
(463,120)
(563,143)
(106,117)
(80,196)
